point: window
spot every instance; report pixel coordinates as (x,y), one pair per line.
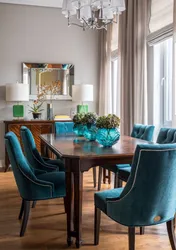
(115,88)
(162,76)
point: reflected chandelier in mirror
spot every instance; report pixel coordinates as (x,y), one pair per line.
(54,81)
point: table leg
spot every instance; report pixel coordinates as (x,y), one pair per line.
(78,188)
(69,201)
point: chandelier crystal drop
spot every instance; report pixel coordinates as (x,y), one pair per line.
(92,14)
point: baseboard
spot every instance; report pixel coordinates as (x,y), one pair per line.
(2,165)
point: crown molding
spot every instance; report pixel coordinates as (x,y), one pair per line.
(43,3)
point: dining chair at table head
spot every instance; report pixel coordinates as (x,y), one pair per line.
(33,155)
(140,131)
(63,128)
(143,201)
(31,187)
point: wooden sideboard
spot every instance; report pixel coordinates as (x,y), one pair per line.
(37,127)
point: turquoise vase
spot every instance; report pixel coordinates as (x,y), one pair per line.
(90,132)
(78,129)
(108,137)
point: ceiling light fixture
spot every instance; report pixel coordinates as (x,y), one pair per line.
(92,14)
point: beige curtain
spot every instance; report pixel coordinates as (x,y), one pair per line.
(105,71)
(133,31)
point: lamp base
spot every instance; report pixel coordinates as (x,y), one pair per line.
(18,111)
(82,108)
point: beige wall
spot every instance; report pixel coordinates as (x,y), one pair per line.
(39,34)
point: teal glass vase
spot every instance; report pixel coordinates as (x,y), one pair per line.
(90,132)
(108,137)
(78,129)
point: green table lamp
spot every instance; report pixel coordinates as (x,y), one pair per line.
(82,93)
(17,92)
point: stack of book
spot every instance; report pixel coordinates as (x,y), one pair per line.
(62,117)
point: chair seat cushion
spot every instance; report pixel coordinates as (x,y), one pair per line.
(56,162)
(124,173)
(58,179)
(100,197)
(115,168)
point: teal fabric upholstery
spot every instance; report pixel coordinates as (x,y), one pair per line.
(34,157)
(32,187)
(64,128)
(144,199)
(166,135)
(140,131)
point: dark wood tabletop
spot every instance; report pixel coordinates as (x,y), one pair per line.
(70,146)
(79,156)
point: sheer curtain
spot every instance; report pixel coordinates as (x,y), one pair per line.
(174,71)
(105,71)
(133,31)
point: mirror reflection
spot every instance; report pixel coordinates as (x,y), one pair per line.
(53,80)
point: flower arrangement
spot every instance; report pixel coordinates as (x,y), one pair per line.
(89,119)
(36,107)
(78,118)
(108,122)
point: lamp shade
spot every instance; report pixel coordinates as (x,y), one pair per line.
(17,92)
(82,93)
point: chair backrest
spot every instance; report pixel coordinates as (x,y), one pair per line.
(21,169)
(149,196)
(166,135)
(30,148)
(63,128)
(144,132)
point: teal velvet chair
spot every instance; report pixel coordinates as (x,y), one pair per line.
(63,128)
(34,157)
(32,187)
(140,131)
(149,195)
(166,135)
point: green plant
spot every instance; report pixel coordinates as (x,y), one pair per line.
(108,122)
(89,118)
(36,107)
(78,118)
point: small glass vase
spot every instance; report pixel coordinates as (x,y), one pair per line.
(108,137)
(90,132)
(78,129)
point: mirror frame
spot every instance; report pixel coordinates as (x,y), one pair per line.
(46,66)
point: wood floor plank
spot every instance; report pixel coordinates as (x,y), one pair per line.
(47,224)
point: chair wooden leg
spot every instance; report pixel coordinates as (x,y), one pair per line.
(65,204)
(109,177)
(131,238)
(171,234)
(116,180)
(25,217)
(34,204)
(119,183)
(97,226)
(142,230)
(21,210)
(104,175)
(100,178)
(94,176)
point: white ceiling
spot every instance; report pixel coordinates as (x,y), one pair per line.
(44,3)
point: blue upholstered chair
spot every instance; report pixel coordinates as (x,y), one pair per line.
(140,131)
(165,136)
(34,157)
(31,187)
(63,128)
(149,195)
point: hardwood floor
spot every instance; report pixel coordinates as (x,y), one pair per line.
(47,224)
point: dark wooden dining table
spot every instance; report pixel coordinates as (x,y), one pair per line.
(79,156)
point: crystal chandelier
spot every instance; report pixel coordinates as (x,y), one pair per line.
(92,14)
